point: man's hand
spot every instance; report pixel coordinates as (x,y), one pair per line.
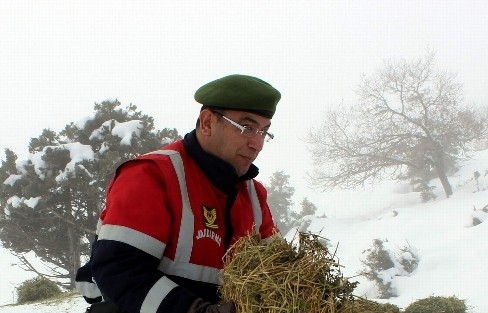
(199,306)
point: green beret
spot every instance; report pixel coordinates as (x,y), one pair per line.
(240,92)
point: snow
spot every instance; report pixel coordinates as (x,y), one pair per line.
(126,130)
(71,304)
(32,202)
(447,236)
(79,152)
(12,179)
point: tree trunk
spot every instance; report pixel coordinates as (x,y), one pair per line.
(441,173)
(74,256)
(445,183)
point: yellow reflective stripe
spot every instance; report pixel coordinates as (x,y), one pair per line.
(156,295)
(196,272)
(132,237)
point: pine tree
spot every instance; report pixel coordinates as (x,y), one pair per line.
(279,200)
(52,201)
(307,208)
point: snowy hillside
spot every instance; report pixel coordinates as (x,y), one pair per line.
(75,304)
(448,237)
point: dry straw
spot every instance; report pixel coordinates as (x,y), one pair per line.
(279,277)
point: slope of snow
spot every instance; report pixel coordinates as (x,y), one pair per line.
(69,305)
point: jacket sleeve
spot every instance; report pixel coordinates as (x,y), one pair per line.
(85,284)
(131,242)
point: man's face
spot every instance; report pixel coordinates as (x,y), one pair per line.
(228,143)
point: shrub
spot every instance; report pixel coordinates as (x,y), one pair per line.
(427,192)
(378,260)
(436,305)
(420,183)
(479,215)
(408,259)
(38,288)
(391,308)
(368,306)
(381,266)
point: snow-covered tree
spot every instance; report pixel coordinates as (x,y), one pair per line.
(51,201)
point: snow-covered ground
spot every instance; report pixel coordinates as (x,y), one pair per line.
(74,304)
(452,251)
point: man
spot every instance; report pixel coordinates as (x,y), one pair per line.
(172,214)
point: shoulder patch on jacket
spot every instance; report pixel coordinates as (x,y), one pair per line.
(210,217)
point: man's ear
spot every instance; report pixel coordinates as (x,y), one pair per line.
(205,126)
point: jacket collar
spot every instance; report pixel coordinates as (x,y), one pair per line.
(221,173)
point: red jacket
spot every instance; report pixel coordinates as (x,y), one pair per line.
(168,222)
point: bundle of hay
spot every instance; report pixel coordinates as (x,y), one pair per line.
(278,277)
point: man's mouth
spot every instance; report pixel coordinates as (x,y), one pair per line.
(250,159)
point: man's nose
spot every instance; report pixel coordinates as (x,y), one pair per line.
(256,142)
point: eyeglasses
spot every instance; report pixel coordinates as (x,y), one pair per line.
(246,130)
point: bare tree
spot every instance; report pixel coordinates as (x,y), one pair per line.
(410,123)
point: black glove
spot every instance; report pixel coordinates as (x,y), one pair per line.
(199,306)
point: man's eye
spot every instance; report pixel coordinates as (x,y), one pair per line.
(248,128)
